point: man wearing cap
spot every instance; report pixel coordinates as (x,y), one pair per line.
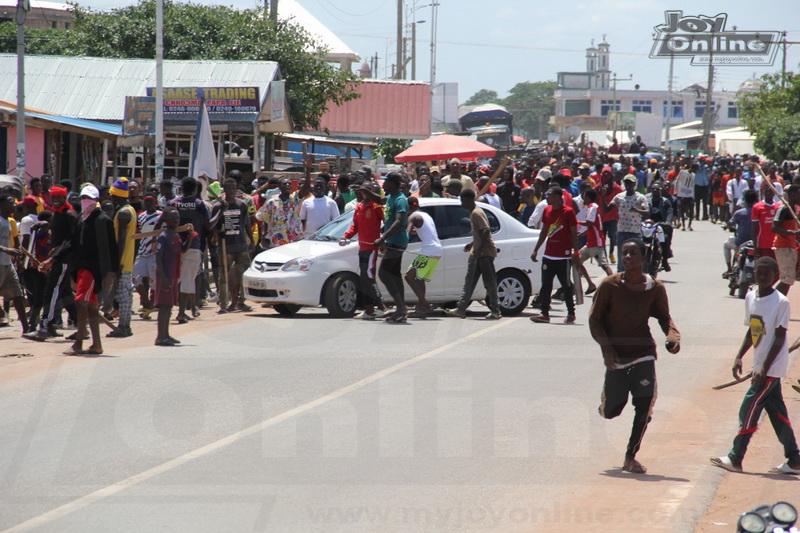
(394,241)
(367,221)
(455,174)
(124,230)
(632,206)
(95,260)
(58,289)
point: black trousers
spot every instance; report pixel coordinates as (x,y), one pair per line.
(702,193)
(390,271)
(638,381)
(57,296)
(367,263)
(557,268)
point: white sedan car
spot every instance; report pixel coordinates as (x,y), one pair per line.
(317,271)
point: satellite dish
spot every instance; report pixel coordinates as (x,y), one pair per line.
(574,133)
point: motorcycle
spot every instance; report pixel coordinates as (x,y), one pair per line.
(653,238)
(743,274)
(779,517)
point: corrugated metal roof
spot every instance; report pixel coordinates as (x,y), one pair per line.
(386,109)
(95,88)
(110,129)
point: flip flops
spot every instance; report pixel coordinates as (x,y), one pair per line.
(784,468)
(725,463)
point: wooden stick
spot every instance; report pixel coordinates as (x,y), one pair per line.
(27,254)
(795,345)
(107,322)
(156,233)
(733,382)
(497,172)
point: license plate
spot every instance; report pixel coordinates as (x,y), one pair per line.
(257,284)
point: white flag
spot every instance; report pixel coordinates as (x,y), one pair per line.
(204,156)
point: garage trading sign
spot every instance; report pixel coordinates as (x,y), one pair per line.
(184,102)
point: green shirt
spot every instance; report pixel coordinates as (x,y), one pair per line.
(397,204)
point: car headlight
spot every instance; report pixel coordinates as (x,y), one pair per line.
(300,264)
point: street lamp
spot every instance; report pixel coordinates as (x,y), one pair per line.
(414,48)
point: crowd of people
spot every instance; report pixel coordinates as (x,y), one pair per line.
(586,201)
(76,257)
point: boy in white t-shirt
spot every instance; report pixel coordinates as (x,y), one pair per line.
(767,319)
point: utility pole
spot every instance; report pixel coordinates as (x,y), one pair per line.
(434,20)
(273,11)
(617,109)
(414,50)
(783,68)
(669,101)
(159,93)
(707,116)
(398,73)
(23,6)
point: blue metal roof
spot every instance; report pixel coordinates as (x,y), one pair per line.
(102,127)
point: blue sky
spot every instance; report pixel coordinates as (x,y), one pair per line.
(495,45)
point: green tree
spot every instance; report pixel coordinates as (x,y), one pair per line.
(388,148)
(532,104)
(484,96)
(772,114)
(197,31)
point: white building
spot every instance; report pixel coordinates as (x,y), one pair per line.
(585,99)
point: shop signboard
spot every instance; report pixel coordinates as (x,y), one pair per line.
(183,103)
(140,115)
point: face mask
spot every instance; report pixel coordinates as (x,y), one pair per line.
(87,206)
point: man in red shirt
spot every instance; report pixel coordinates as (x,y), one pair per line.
(560,227)
(367,225)
(610,218)
(595,240)
(762,216)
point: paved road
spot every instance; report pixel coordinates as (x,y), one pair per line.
(316,424)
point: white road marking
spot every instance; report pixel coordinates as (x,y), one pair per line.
(105,492)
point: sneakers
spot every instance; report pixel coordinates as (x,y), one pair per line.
(244,308)
(455,313)
(492,316)
(381,313)
(570,319)
(120,333)
(540,319)
(363,315)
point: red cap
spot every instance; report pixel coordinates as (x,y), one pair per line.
(58,191)
(30,201)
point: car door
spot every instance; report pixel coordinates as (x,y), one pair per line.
(455,231)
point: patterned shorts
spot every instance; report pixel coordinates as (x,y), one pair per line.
(425,266)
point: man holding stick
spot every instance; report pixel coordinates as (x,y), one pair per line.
(767,319)
(786,229)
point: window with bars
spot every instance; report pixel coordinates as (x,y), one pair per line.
(677,108)
(643,106)
(607,106)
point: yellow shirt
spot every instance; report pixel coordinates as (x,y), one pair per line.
(126,261)
(14,231)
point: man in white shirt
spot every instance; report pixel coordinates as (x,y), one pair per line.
(317,211)
(735,189)
(424,265)
(684,190)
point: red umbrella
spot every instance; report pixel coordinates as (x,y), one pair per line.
(445,147)
(516,139)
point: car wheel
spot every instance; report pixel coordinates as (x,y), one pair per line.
(341,296)
(513,292)
(286,309)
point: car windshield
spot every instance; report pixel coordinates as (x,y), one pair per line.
(333,230)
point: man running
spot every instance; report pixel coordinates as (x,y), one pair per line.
(421,270)
(618,321)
